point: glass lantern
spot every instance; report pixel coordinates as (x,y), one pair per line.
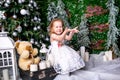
(7,57)
(43,51)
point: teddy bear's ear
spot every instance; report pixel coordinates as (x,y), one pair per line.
(17,44)
(29,48)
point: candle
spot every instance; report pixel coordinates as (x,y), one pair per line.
(50,58)
(86,56)
(106,55)
(5,74)
(104,58)
(33,67)
(42,65)
(48,64)
(82,51)
(109,55)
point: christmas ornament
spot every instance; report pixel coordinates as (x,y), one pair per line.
(32,40)
(35,18)
(32,20)
(14,16)
(38,27)
(36,42)
(6,5)
(14,34)
(4,17)
(29,5)
(2,14)
(35,4)
(19,29)
(39,19)
(47,39)
(1,2)
(8,1)
(42,36)
(20,1)
(31,1)
(35,28)
(23,0)
(25,24)
(23,11)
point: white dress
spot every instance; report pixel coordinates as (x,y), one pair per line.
(66,59)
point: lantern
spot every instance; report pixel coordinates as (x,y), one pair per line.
(7,56)
(43,51)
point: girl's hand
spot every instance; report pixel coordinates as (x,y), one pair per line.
(67,29)
(75,30)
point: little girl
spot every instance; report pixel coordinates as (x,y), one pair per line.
(66,59)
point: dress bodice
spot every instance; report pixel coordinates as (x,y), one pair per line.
(54,43)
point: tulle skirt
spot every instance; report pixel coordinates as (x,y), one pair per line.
(66,59)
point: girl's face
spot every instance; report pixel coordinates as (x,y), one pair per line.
(58,27)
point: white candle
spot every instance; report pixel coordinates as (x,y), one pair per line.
(48,64)
(5,74)
(109,55)
(104,58)
(50,58)
(33,67)
(86,56)
(42,65)
(82,51)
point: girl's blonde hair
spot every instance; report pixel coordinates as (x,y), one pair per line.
(51,25)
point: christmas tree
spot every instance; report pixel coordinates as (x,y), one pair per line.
(52,12)
(62,13)
(113,31)
(22,21)
(57,11)
(83,35)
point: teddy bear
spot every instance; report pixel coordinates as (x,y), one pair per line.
(27,54)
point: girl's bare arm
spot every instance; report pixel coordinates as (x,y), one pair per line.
(70,35)
(60,37)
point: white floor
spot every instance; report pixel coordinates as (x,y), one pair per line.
(96,69)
